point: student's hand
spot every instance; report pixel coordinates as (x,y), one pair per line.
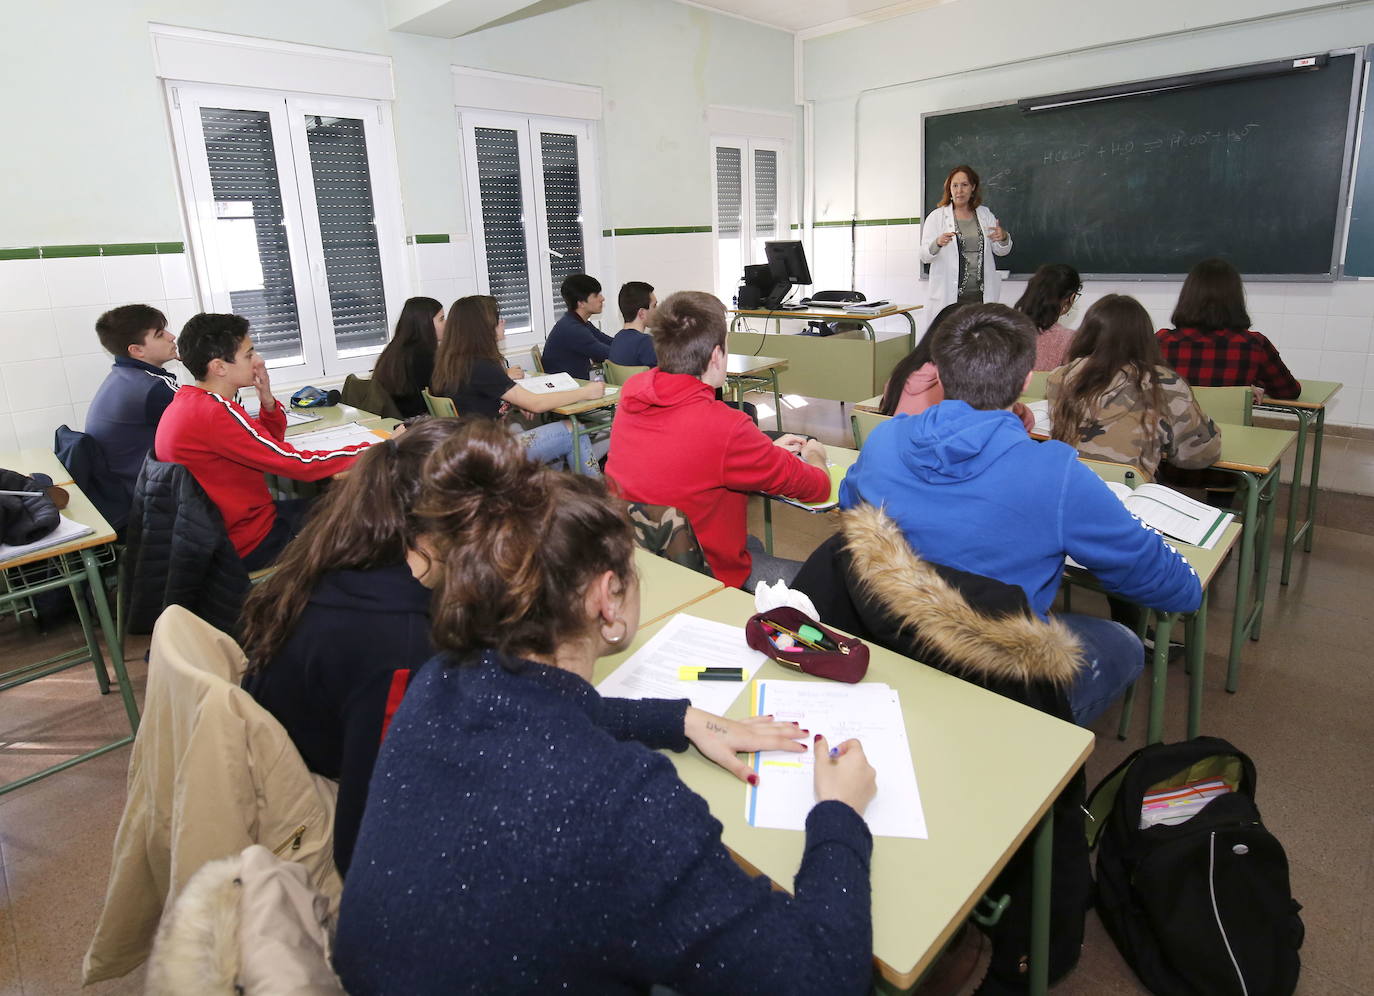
(847,777)
(813,452)
(944,239)
(596,389)
(1258,392)
(263,382)
(720,739)
(791,442)
(515,373)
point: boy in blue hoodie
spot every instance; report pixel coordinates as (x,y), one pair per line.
(972,491)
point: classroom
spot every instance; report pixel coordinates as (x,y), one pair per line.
(761,191)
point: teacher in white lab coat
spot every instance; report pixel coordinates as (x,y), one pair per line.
(960,240)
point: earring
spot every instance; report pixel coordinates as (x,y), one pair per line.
(616,641)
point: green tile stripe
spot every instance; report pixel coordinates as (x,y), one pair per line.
(429,240)
(668,230)
(866,222)
(110,249)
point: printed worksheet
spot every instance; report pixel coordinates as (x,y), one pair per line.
(868,712)
(652,671)
(335,438)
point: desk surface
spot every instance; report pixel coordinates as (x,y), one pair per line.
(1251,448)
(608,400)
(79,509)
(666,587)
(329,417)
(1315,394)
(34,460)
(840,313)
(872,405)
(742,364)
(987,769)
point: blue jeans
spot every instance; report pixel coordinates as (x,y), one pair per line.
(1114,658)
(553,443)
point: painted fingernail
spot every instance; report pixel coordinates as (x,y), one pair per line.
(795,723)
(817,739)
(804,747)
(806,731)
(753,779)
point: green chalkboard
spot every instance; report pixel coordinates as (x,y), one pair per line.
(1359,249)
(1250,170)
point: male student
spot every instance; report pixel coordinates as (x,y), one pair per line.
(972,491)
(129,403)
(227,450)
(632,345)
(574,343)
(673,443)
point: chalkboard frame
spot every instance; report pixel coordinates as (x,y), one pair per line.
(1204,78)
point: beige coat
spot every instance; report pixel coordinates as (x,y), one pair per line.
(211,773)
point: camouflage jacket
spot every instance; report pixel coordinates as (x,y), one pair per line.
(1182,434)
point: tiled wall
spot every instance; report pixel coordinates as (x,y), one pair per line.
(1325,331)
(50,360)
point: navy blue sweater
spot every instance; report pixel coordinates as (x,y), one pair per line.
(124,414)
(573,346)
(633,348)
(339,677)
(515,842)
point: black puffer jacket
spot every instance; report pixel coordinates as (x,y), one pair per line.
(25,518)
(179,552)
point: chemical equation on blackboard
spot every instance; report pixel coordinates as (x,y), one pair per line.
(1174,143)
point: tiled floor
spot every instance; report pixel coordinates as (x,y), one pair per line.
(1303,713)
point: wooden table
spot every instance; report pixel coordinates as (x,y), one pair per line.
(666,587)
(1310,410)
(73,565)
(961,737)
(1206,563)
(588,417)
(839,459)
(329,418)
(847,366)
(871,405)
(743,371)
(33,460)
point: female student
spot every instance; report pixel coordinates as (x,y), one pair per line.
(959,239)
(333,636)
(1049,295)
(1115,400)
(522,834)
(1212,344)
(914,384)
(469,370)
(407,363)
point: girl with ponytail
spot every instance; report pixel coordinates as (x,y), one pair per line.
(523,834)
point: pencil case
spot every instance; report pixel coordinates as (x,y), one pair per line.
(847,661)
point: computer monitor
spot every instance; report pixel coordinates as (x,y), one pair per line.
(788,262)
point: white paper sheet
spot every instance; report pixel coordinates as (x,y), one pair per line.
(1041,411)
(335,438)
(547,383)
(651,672)
(65,531)
(297,418)
(868,712)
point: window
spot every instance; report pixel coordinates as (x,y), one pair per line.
(750,182)
(534,214)
(295,220)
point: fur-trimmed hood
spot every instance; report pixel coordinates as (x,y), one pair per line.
(998,648)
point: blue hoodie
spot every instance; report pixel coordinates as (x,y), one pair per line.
(972,491)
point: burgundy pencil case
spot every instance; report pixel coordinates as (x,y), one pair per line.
(847,662)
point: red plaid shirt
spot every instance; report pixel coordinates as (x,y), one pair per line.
(1227,358)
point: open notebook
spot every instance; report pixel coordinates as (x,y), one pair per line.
(1173,514)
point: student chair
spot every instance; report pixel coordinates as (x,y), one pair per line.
(1035,390)
(364,393)
(863,423)
(538,359)
(617,373)
(439,407)
(1227,405)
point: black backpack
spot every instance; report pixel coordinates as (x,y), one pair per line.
(1201,907)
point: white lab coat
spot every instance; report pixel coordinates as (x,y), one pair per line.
(942,286)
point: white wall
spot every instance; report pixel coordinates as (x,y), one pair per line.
(868,110)
(88,157)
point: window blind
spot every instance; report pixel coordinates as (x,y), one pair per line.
(562,211)
(765,193)
(503,227)
(348,231)
(729,192)
(249,228)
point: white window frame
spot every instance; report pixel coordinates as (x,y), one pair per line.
(754,254)
(528,127)
(321,357)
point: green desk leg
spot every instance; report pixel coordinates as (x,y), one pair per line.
(113,638)
(1196,638)
(1294,491)
(768,525)
(1311,525)
(777,397)
(1159,676)
(576,424)
(1244,576)
(1268,503)
(1041,870)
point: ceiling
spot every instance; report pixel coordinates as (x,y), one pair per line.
(810,18)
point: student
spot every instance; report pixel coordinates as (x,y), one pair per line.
(673,443)
(1048,297)
(406,366)
(129,403)
(334,635)
(227,450)
(1212,344)
(470,372)
(1114,400)
(632,345)
(914,384)
(971,491)
(522,834)
(574,343)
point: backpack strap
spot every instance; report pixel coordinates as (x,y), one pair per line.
(1103,798)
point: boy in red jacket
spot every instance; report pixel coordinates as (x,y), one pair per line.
(227,450)
(673,443)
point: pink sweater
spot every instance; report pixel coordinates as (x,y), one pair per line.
(923,390)
(1052,345)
